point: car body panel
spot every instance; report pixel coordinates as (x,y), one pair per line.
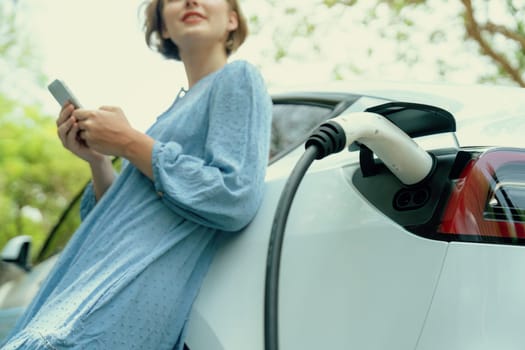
(16,294)
(479,300)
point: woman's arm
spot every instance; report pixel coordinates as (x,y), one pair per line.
(103,176)
(138,152)
(223,187)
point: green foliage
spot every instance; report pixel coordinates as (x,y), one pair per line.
(7,29)
(331,3)
(38,176)
(17,54)
(254,24)
(399,5)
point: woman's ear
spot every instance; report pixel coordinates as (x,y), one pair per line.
(233,21)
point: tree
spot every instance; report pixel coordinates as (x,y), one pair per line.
(463,40)
(497,28)
(494,39)
(19,62)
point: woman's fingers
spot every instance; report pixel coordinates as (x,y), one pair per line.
(66,125)
(64,129)
(84,114)
(76,136)
(72,134)
(65,113)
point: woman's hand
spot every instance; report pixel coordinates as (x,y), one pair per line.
(68,132)
(105,130)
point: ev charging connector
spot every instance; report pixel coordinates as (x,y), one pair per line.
(404,157)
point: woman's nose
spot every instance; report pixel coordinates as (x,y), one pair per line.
(191,3)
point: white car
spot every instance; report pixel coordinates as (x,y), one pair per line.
(409,236)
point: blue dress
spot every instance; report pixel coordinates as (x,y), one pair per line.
(128,277)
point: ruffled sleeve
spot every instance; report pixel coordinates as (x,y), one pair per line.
(222,189)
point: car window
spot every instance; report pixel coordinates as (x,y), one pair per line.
(61,233)
(506,201)
(292,123)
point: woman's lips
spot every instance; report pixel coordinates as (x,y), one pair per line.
(192,17)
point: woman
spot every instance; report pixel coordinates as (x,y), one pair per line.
(129,275)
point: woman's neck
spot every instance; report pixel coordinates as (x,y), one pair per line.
(199,64)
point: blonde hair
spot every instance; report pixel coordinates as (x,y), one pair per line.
(154,24)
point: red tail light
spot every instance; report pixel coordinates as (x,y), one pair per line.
(488,199)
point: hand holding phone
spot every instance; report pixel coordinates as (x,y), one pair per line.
(62,93)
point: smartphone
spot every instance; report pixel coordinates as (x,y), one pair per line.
(62,93)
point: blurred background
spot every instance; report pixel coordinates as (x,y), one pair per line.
(97,47)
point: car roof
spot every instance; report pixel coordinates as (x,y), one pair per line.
(486,115)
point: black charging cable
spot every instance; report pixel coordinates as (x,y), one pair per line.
(327,139)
